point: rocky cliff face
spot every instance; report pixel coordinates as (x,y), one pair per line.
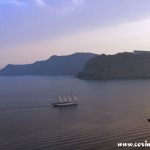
(121,65)
(55,65)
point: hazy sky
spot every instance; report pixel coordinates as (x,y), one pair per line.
(33,30)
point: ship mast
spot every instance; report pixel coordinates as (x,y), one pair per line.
(64,98)
(59,98)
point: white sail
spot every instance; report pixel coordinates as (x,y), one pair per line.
(69,98)
(60,99)
(65,99)
(75,99)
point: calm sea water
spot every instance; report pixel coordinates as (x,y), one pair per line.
(109,112)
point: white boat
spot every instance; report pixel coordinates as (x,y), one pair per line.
(66,100)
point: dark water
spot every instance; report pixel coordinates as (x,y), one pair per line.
(109,112)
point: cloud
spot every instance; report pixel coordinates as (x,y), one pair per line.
(24,2)
(18,3)
(71,6)
(77,2)
(15,2)
(39,3)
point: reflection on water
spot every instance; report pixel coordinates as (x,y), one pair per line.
(109,112)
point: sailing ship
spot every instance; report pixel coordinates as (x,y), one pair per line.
(66,100)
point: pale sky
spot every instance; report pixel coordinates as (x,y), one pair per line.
(32,30)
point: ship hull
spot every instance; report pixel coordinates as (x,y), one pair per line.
(64,104)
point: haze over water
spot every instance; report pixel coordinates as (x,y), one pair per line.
(109,111)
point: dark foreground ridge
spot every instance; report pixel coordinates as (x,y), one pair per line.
(118,66)
(55,65)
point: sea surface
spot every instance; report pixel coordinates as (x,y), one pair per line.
(109,112)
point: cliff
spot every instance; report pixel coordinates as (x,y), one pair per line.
(121,65)
(55,65)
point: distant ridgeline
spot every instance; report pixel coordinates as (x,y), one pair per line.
(121,65)
(55,65)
